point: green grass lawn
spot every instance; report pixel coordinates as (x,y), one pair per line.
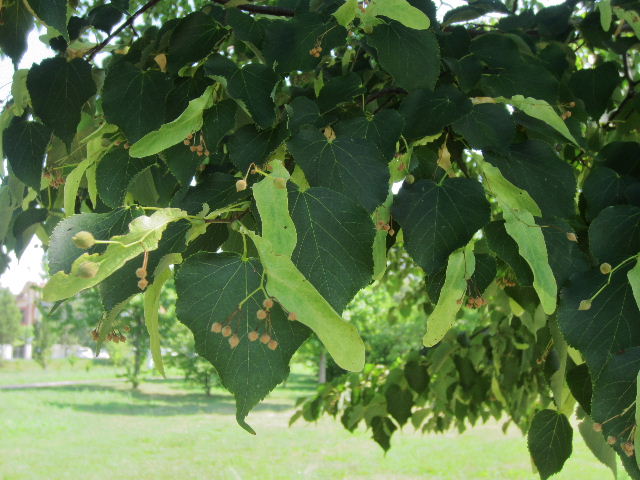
(168,431)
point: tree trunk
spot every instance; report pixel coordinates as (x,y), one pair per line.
(322,368)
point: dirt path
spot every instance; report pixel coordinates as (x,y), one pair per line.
(60,384)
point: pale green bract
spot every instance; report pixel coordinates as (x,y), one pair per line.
(636,437)
(541,110)
(144,234)
(288,285)
(401,11)
(523,229)
(604,6)
(152,304)
(450,299)
(629,16)
(518,210)
(346,13)
(503,189)
(176,131)
(381,214)
(633,276)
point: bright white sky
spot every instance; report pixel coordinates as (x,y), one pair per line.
(30,266)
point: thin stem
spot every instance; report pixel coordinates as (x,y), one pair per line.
(613,270)
(150,4)
(263,9)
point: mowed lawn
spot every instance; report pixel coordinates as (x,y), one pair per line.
(169,431)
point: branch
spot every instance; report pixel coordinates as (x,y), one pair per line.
(264,9)
(150,4)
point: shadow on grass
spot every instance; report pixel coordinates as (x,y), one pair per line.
(140,403)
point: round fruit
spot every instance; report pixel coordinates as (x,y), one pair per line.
(253,336)
(261,314)
(267,303)
(88,270)
(234,341)
(265,338)
(241,185)
(216,327)
(226,331)
(272,345)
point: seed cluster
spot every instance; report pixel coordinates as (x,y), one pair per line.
(505,282)
(380,225)
(197,144)
(263,331)
(115,336)
(55,179)
(316,51)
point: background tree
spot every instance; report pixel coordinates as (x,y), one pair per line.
(284,155)
(10,317)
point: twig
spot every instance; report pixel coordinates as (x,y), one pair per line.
(150,4)
(383,92)
(264,9)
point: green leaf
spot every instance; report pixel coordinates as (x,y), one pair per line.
(287,43)
(116,171)
(335,238)
(58,90)
(353,167)
(250,86)
(602,188)
(506,249)
(174,132)
(595,87)
(450,299)
(338,90)
(249,145)
(579,382)
(612,318)
(25,145)
(411,57)
(134,99)
(216,191)
(445,106)
(550,442)
(417,376)
(289,286)
(193,38)
(541,110)
(251,370)
(182,162)
(346,13)
(401,11)
(439,219)
(382,429)
(565,256)
(614,394)
(217,122)
(598,446)
(16,24)
(62,251)
(52,12)
(488,125)
(383,129)
(162,273)
(614,234)
(144,235)
(399,403)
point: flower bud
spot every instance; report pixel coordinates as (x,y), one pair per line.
(83,240)
(572,237)
(585,305)
(611,440)
(265,338)
(141,272)
(143,283)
